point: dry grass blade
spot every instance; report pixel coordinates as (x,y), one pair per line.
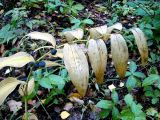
(73,34)
(17,60)
(42,36)
(7,86)
(119,51)
(97,53)
(141,42)
(77,66)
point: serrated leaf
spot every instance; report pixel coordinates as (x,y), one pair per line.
(88,21)
(77,66)
(150,80)
(42,36)
(131,82)
(105,104)
(7,86)
(132,67)
(114,96)
(141,42)
(119,51)
(139,74)
(17,60)
(97,53)
(57,80)
(115,113)
(73,34)
(128,99)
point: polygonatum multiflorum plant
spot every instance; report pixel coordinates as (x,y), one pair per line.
(76,60)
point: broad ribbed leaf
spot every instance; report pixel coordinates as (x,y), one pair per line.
(141,42)
(97,53)
(42,36)
(17,60)
(99,32)
(77,66)
(7,86)
(117,26)
(119,53)
(73,34)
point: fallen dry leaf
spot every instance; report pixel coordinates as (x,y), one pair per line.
(68,106)
(64,115)
(14,106)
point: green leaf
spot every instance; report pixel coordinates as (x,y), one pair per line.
(152,112)
(45,82)
(139,74)
(153,70)
(105,104)
(149,94)
(126,114)
(140,11)
(136,109)
(75,21)
(88,21)
(155,100)
(132,67)
(150,80)
(128,99)
(115,113)
(57,80)
(64,73)
(131,82)
(128,74)
(78,7)
(114,96)
(104,113)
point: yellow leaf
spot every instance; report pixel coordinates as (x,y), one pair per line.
(99,32)
(77,66)
(117,26)
(64,115)
(7,86)
(30,88)
(97,53)
(51,63)
(42,36)
(73,34)
(141,42)
(119,51)
(17,60)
